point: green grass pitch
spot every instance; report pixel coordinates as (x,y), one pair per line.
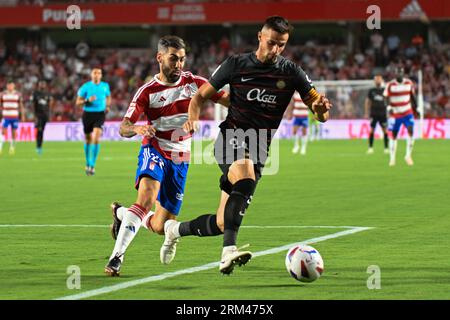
(335,184)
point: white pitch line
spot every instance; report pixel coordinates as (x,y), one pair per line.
(107,226)
(53,226)
(128,284)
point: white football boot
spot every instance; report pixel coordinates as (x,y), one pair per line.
(232,256)
(169,247)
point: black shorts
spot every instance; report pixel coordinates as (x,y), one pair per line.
(40,122)
(382,120)
(232,145)
(93,120)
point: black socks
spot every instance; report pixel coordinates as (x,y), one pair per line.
(203,226)
(235,207)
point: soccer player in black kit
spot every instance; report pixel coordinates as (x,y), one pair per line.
(261,86)
(42,102)
(375,107)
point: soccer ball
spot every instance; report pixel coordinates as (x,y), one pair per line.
(304,263)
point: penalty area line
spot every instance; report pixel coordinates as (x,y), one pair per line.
(133,283)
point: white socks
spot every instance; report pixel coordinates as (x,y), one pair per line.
(296,139)
(146,220)
(409,146)
(392,149)
(132,220)
(121,211)
(304,142)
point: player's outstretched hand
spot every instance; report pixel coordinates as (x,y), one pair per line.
(147,131)
(321,105)
(191,126)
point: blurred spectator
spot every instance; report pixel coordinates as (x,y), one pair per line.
(393,44)
(128,69)
(376,40)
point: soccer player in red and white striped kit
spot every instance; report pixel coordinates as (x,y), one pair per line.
(401,101)
(300,113)
(165,151)
(12,108)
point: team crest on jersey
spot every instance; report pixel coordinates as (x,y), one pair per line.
(188,91)
(281,84)
(151,166)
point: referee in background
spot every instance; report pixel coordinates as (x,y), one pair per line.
(95,98)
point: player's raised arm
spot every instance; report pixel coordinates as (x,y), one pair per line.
(204,93)
(321,107)
(318,104)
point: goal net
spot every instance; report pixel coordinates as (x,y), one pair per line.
(348,98)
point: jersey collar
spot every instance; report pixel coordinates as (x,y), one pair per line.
(255,59)
(167,84)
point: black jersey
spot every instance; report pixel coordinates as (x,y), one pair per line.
(259,92)
(41,101)
(378,107)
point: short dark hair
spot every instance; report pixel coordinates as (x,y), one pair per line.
(10,80)
(278,24)
(167,42)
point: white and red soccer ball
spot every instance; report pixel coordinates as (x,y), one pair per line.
(304,263)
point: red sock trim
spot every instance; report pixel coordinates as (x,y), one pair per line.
(137,210)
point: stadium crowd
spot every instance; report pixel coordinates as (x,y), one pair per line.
(127,69)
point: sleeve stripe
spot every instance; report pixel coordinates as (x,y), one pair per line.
(137,94)
(310,97)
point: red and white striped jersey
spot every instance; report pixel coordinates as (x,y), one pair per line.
(399,95)
(165,107)
(300,109)
(9,102)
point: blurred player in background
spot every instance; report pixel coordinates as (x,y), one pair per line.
(401,101)
(95,98)
(375,108)
(43,103)
(315,128)
(11,105)
(165,151)
(261,87)
(300,112)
